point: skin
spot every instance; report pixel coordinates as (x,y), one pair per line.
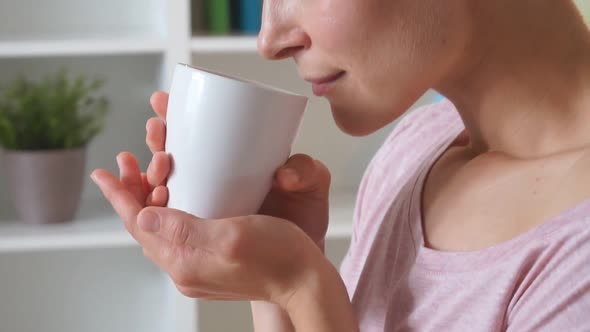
(391,51)
(519,75)
(231,259)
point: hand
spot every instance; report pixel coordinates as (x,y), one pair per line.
(148,189)
(300,188)
(247,258)
(244,258)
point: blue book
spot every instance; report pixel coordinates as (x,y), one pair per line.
(250,15)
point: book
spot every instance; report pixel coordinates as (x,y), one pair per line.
(217,16)
(234,9)
(250,13)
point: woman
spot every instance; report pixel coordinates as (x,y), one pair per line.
(473,216)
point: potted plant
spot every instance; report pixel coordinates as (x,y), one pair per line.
(45,127)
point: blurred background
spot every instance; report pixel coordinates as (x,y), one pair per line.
(87,274)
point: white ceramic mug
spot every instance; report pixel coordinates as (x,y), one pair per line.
(226,137)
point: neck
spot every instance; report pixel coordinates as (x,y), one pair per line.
(523,86)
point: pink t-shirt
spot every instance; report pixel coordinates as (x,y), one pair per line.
(538,281)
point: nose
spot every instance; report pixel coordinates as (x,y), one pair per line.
(280,35)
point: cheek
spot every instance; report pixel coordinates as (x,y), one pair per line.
(393,58)
(336,26)
(413,51)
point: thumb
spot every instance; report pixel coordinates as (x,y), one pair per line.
(303,174)
(175,226)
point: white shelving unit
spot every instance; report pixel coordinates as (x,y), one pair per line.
(80,47)
(226,45)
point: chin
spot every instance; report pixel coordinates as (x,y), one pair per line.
(356,125)
(362,119)
(353,129)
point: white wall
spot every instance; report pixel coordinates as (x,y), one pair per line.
(585,8)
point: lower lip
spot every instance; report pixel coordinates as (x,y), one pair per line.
(322,89)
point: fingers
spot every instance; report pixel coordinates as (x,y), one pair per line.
(155,137)
(158,197)
(124,203)
(130,176)
(156,127)
(144,182)
(178,245)
(159,102)
(178,228)
(159,169)
(303,174)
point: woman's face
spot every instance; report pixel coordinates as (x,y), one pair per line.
(372,59)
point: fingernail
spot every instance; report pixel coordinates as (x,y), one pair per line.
(119,160)
(291,175)
(93,176)
(149,221)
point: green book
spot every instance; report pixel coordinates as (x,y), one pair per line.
(218,16)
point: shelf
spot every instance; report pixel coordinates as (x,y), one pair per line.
(224,44)
(84,233)
(87,290)
(32,48)
(77,235)
(102,229)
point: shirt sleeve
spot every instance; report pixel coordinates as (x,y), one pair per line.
(558,297)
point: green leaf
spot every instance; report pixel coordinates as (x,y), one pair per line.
(55,112)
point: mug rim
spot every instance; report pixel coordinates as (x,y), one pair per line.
(241,80)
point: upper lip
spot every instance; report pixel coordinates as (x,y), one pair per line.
(324,79)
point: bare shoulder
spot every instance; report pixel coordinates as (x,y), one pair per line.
(474,202)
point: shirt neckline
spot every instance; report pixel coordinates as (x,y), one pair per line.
(438,261)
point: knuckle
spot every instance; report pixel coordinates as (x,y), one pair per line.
(179,232)
(153,121)
(150,127)
(150,143)
(232,241)
(154,126)
(159,157)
